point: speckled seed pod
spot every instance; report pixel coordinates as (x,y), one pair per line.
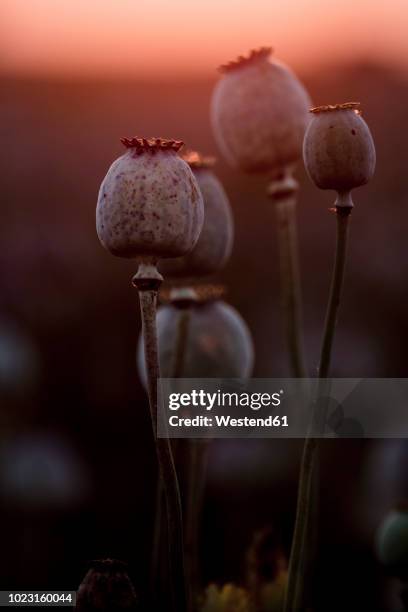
(338,149)
(392,542)
(259,113)
(149,203)
(215,242)
(219,343)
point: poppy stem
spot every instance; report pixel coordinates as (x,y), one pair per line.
(303,539)
(282,191)
(148,280)
(158,532)
(196,468)
(342,216)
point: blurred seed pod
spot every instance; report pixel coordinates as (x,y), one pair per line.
(218,344)
(392,542)
(20,361)
(42,472)
(338,149)
(107,588)
(149,203)
(214,245)
(259,113)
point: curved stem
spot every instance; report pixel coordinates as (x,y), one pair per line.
(305,513)
(147,281)
(283,192)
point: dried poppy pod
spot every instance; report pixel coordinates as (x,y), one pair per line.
(149,203)
(218,343)
(259,113)
(214,245)
(150,207)
(339,154)
(338,149)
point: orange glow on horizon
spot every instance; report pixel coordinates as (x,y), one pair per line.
(167,38)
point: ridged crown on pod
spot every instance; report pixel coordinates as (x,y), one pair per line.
(338,149)
(149,203)
(259,113)
(214,245)
(218,343)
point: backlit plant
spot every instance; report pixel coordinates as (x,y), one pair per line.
(218,343)
(209,255)
(150,207)
(212,342)
(259,114)
(214,245)
(339,154)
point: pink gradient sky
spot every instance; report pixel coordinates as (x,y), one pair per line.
(170,37)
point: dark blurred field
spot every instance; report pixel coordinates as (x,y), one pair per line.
(74,419)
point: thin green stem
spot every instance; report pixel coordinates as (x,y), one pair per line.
(290,281)
(302,544)
(147,280)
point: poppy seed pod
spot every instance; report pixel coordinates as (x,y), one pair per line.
(338,149)
(259,113)
(392,542)
(214,245)
(149,203)
(218,344)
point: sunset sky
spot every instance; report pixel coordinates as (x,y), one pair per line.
(171,37)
